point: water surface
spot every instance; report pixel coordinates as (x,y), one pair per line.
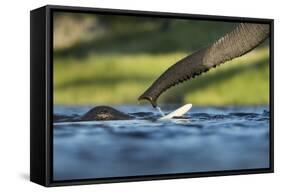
(205,139)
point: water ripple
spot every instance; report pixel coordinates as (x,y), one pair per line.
(227,137)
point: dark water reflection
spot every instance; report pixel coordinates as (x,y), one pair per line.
(206,139)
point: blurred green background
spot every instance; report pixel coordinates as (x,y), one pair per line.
(105,59)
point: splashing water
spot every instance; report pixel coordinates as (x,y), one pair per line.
(160,111)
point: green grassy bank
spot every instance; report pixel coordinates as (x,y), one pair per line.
(114,78)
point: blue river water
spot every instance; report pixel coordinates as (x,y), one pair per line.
(205,139)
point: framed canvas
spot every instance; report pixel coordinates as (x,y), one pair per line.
(123,95)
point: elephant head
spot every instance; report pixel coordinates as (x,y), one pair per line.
(239,41)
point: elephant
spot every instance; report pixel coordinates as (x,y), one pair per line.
(98,113)
(241,40)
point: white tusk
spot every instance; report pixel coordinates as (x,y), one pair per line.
(178,112)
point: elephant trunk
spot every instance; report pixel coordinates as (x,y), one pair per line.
(242,39)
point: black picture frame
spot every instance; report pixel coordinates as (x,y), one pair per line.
(41,94)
